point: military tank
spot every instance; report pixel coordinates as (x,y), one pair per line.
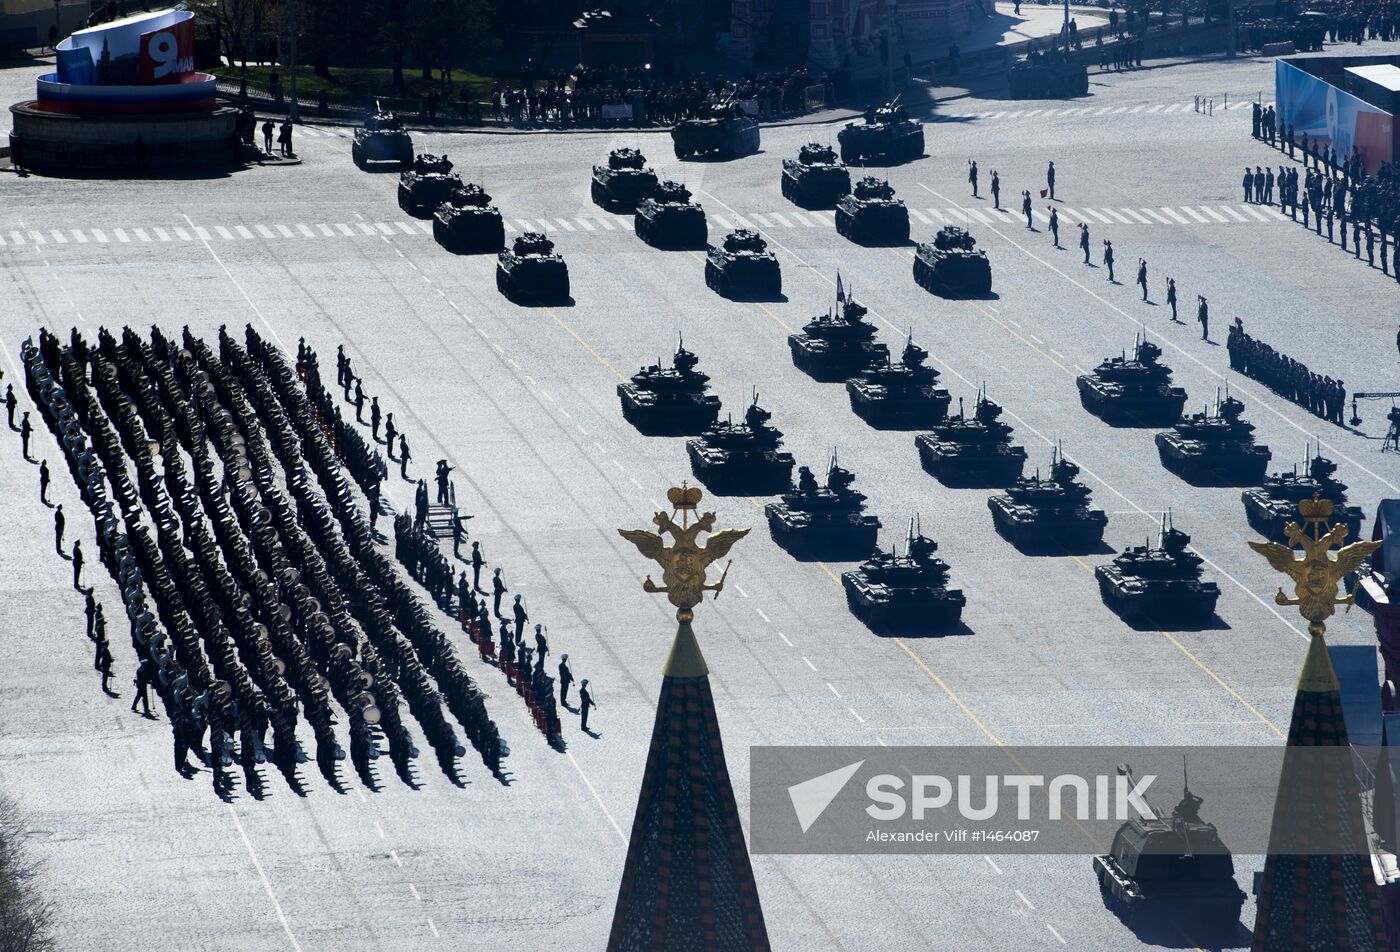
(823,522)
(1214,449)
(815,179)
(837,345)
(670,401)
(1136,391)
(972,452)
(724,132)
(1273,505)
(743,267)
(382,138)
(1158,585)
(742,458)
(531,271)
(1048,79)
(871,215)
(885,135)
(1049,515)
(1173,868)
(427,185)
(904,593)
(952,265)
(624,182)
(899,396)
(669,219)
(467,222)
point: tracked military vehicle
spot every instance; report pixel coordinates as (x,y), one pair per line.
(871,215)
(742,458)
(670,401)
(743,267)
(904,593)
(624,182)
(382,138)
(815,179)
(467,222)
(1273,505)
(1048,78)
(1049,515)
(724,133)
(839,345)
(1214,449)
(823,522)
(886,135)
(531,271)
(1136,391)
(427,185)
(1159,585)
(952,265)
(899,396)
(1172,868)
(669,219)
(976,451)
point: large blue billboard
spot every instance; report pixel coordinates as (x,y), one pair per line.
(1332,116)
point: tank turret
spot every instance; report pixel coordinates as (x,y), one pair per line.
(467,222)
(1274,504)
(837,345)
(742,458)
(823,522)
(904,594)
(1159,585)
(382,139)
(670,401)
(428,163)
(898,396)
(624,182)
(1214,449)
(885,134)
(972,451)
(952,266)
(1051,514)
(1133,391)
(815,179)
(669,219)
(531,271)
(724,132)
(1173,868)
(871,215)
(743,267)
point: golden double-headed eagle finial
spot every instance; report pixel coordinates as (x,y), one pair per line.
(1315,575)
(684,562)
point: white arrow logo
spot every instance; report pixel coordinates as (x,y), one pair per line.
(810,798)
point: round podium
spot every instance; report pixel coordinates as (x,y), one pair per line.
(67,144)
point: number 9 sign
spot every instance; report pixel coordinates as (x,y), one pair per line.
(166,54)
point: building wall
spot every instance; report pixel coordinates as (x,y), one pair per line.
(24,24)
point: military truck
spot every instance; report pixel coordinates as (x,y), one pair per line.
(467,222)
(886,135)
(382,138)
(624,181)
(743,267)
(871,215)
(952,265)
(815,179)
(531,271)
(669,219)
(724,132)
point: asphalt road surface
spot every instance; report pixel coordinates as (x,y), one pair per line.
(522,400)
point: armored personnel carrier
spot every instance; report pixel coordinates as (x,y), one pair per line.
(823,522)
(1273,505)
(382,138)
(743,457)
(1136,391)
(871,215)
(899,396)
(815,179)
(669,219)
(837,346)
(531,271)
(725,133)
(1214,449)
(1173,868)
(467,222)
(1051,514)
(1048,79)
(886,135)
(427,185)
(1158,586)
(972,452)
(670,401)
(624,182)
(904,593)
(743,267)
(952,265)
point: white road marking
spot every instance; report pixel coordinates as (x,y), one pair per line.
(1056,934)
(1022,896)
(395,857)
(834,691)
(267,886)
(855,715)
(992,863)
(740,590)
(593,790)
(785,639)
(763,616)
(808,662)
(436,934)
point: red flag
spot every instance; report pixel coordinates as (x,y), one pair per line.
(1044,192)
(840,289)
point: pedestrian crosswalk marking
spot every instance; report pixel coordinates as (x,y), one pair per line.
(565,225)
(425,227)
(1179,219)
(267,232)
(223,232)
(121,235)
(587,225)
(607,225)
(284,231)
(1121,219)
(162,234)
(781,220)
(58,237)
(1234,214)
(762,221)
(937,214)
(78,236)
(1142,219)
(16,237)
(1213,213)
(141,233)
(307,232)
(384,228)
(1194,214)
(723,223)
(182,234)
(405,227)
(1156,107)
(1104,219)
(920,216)
(1253,213)
(243,232)
(1135,109)
(1033,112)
(200,232)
